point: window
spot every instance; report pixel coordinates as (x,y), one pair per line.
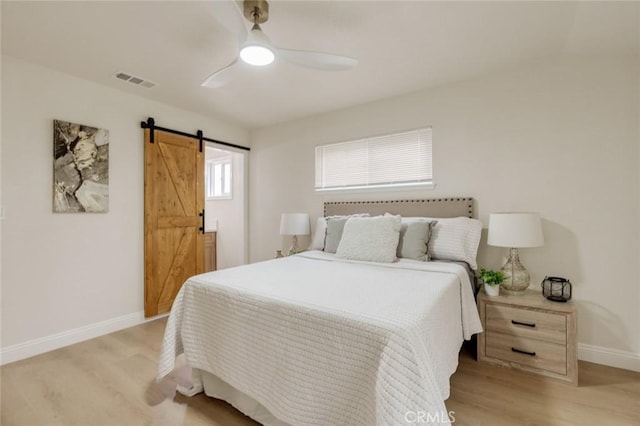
(217,178)
(399,159)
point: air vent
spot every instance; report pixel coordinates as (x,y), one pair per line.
(134,80)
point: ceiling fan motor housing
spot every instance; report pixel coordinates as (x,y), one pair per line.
(256,11)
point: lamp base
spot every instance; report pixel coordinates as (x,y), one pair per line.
(517,278)
(294,246)
(512,292)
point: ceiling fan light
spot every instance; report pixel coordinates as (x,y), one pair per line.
(257,55)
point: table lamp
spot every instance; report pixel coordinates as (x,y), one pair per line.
(294,224)
(515,230)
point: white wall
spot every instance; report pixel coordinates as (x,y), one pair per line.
(1,212)
(560,138)
(74,273)
(230,216)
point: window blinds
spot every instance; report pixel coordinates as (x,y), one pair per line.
(392,160)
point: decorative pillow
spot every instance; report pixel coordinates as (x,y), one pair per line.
(335,226)
(333,232)
(456,239)
(374,239)
(415,233)
(319,234)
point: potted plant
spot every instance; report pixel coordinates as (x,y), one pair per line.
(492,280)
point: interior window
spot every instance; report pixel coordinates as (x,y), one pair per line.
(217,177)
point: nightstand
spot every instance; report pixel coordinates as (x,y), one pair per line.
(529,333)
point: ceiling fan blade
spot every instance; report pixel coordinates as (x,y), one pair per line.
(317,60)
(227,13)
(223,75)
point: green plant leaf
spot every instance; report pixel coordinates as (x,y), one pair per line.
(491,277)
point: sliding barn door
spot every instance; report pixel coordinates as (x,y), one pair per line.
(174,216)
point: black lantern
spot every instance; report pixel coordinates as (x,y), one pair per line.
(556,288)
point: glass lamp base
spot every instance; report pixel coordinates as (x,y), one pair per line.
(516,277)
(512,292)
(294,246)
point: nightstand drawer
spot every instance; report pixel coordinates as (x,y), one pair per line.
(544,326)
(533,353)
(530,333)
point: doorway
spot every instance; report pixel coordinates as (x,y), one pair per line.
(225,204)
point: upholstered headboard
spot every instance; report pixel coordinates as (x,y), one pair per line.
(434,207)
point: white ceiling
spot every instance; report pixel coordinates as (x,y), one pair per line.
(402,46)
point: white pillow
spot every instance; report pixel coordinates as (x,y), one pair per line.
(319,233)
(374,239)
(456,239)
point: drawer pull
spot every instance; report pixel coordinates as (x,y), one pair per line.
(526,324)
(523,352)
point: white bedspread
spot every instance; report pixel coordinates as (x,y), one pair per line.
(321,341)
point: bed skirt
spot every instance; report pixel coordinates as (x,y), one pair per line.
(215,387)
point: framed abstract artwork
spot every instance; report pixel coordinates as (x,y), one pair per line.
(80,168)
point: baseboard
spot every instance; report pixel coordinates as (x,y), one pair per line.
(610,357)
(55,341)
(590,353)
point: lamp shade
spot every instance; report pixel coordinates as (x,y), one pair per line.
(517,230)
(294,224)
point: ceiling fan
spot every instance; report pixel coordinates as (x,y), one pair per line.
(257,50)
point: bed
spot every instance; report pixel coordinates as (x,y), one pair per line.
(315,339)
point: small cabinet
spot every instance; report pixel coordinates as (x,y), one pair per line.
(210,251)
(529,333)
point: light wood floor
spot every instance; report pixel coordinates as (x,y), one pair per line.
(110,381)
